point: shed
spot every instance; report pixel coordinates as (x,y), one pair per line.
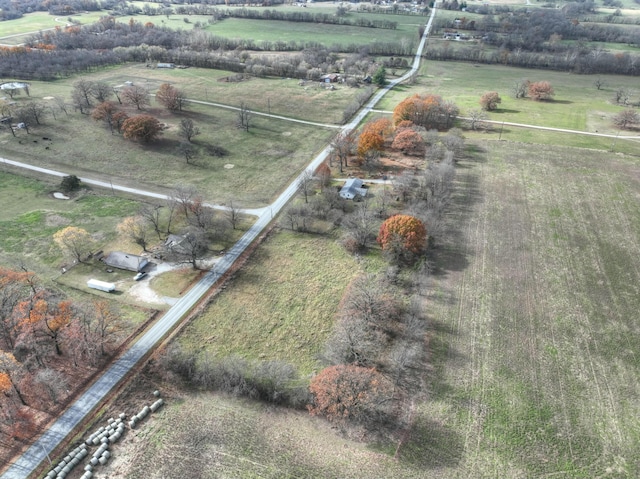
(166,65)
(352,188)
(330,78)
(131,262)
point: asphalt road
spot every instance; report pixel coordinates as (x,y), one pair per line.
(25,465)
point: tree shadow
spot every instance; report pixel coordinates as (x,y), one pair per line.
(505,110)
(560,102)
(431,445)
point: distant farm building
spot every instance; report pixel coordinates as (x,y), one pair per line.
(130,262)
(330,78)
(166,65)
(353,188)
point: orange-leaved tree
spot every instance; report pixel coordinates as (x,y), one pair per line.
(373,136)
(350,393)
(404,231)
(429,111)
(170,97)
(490,100)
(540,90)
(409,141)
(145,128)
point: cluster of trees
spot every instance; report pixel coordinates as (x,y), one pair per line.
(533,39)
(39,329)
(10,9)
(270,381)
(376,357)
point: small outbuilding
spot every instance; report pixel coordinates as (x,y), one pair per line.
(166,65)
(130,262)
(352,188)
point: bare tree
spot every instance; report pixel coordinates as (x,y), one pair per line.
(101,91)
(35,110)
(232,214)
(53,382)
(476,119)
(599,83)
(194,246)
(361,225)
(183,196)
(244,116)
(626,118)
(82,95)
(520,88)
(343,145)
(188,129)
(305,185)
(187,150)
(136,95)
(151,213)
(62,104)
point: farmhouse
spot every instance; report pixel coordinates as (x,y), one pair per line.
(131,262)
(352,188)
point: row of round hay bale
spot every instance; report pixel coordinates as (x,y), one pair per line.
(156,405)
(139,417)
(70,461)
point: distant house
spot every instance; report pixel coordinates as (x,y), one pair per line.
(131,262)
(330,78)
(166,65)
(352,188)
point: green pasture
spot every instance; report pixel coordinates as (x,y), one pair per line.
(577,104)
(281,305)
(17,31)
(329,35)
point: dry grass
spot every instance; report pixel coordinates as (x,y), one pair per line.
(282,304)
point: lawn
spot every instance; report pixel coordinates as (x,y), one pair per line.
(30,216)
(14,32)
(281,305)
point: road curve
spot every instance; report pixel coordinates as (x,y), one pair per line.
(27,463)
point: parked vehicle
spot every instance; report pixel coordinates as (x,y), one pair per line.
(101,285)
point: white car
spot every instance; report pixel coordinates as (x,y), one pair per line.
(139,276)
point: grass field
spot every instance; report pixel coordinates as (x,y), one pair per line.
(30,216)
(14,32)
(258,165)
(534,340)
(281,305)
(327,34)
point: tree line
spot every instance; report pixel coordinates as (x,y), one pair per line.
(74,50)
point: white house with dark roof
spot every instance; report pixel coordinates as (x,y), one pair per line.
(352,188)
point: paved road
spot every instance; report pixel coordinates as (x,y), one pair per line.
(24,466)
